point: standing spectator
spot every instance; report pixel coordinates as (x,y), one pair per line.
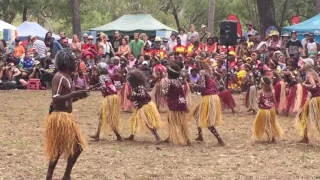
(124,49)
(294,46)
(76,46)
(40,51)
(165,46)
(116,41)
(105,47)
(65,43)
(204,34)
(52,45)
(85,39)
(250,31)
(62,37)
(305,40)
(275,43)
(136,45)
(183,37)
(144,37)
(127,38)
(173,42)
(18,51)
(311,47)
(179,48)
(193,33)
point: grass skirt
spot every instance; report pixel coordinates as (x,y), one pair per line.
(309,117)
(126,104)
(296,99)
(157,94)
(145,117)
(281,97)
(63,135)
(187,93)
(266,123)
(178,127)
(251,98)
(208,112)
(110,113)
(227,99)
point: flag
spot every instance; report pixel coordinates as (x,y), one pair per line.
(235,18)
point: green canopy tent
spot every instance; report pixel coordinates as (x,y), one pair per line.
(129,24)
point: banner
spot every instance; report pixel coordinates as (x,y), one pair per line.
(295,19)
(235,18)
(271,29)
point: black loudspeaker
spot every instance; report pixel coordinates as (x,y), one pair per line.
(228,33)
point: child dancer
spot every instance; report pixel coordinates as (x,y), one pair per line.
(279,92)
(63,135)
(265,122)
(109,114)
(251,94)
(225,95)
(297,95)
(159,73)
(208,112)
(177,119)
(146,113)
(308,120)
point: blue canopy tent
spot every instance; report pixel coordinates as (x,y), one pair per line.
(311,25)
(34,29)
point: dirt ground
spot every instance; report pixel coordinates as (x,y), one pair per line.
(22,156)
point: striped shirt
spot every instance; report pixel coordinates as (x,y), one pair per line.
(40,48)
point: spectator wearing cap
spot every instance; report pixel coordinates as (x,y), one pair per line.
(305,39)
(275,43)
(204,34)
(18,50)
(184,37)
(172,42)
(285,40)
(90,46)
(192,33)
(84,39)
(136,45)
(311,47)
(165,46)
(158,51)
(294,46)
(251,31)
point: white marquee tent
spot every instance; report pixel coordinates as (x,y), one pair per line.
(4,25)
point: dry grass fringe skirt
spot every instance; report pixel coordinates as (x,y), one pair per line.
(63,136)
(145,117)
(187,93)
(178,127)
(309,118)
(126,104)
(266,123)
(110,113)
(157,94)
(282,103)
(251,98)
(208,112)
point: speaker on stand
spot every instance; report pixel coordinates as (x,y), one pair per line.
(228,37)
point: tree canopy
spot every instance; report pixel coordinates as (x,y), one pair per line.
(57,15)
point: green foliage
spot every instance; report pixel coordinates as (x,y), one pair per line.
(56,14)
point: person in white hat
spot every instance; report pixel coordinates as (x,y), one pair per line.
(204,34)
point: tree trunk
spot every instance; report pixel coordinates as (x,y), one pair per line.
(175,15)
(266,13)
(283,12)
(318,6)
(76,25)
(24,14)
(211,17)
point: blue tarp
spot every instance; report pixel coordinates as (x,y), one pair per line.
(34,29)
(311,25)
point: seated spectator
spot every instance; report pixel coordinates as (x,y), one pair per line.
(44,75)
(65,43)
(111,67)
(90,46)
(10,59)
(27,65)
(14,75)
(131,61)
(187,68)
(81,79)
(124,49)
(18,50)
(88,59)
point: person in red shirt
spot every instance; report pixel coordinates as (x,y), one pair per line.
(90,46)
(210,46)
(180,49)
